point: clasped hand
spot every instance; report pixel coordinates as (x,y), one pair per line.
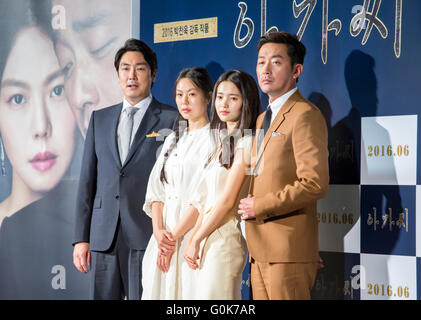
(166,247)
(246,208)
(191,254)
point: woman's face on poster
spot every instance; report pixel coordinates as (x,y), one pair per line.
(94,31)
(36,122)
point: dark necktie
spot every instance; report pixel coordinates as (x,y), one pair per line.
(265,127)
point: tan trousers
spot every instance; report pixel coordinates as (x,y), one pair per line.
(282,281)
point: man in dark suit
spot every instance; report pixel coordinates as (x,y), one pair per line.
(112,231)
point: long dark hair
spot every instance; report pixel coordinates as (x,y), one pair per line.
(249,112)
(200,77)
(20,14)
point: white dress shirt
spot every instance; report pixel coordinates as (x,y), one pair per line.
(276,105)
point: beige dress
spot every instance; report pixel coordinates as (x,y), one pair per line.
(223,253)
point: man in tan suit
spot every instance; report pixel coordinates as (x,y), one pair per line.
(290,174)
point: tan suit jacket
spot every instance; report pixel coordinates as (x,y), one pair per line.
(291,175)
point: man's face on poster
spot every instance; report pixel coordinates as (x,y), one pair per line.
(94,31)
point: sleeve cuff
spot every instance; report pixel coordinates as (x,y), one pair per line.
(147,207)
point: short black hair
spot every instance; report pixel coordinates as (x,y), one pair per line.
(296,49)
(139,46)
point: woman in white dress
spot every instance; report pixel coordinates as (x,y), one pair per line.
(216,238)
(165,274)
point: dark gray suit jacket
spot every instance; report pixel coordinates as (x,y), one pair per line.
(109,189)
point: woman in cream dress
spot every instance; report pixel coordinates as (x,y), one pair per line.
(172,181)
(216,238)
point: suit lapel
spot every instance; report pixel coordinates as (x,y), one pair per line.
(280,117)
(113,122)
(150,119)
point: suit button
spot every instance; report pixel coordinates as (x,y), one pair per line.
(117,197)
(122,174)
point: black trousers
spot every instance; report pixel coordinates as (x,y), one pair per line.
(116,274)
